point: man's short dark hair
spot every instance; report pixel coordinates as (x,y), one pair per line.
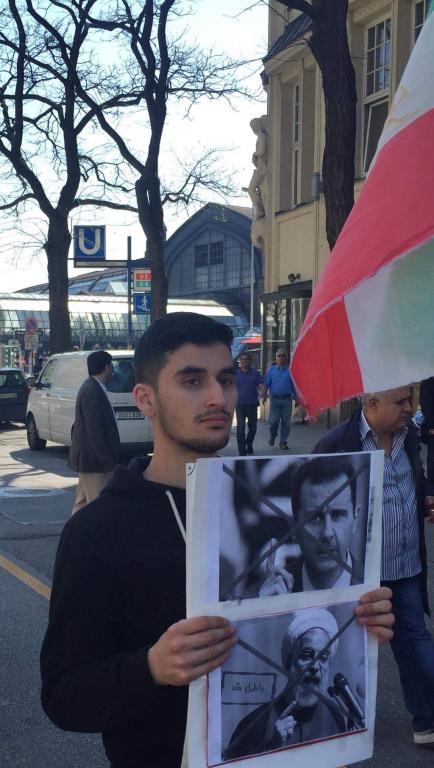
(245,354)
(168,333)
(98,361)
(317,471)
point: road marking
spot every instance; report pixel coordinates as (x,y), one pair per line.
(26,578)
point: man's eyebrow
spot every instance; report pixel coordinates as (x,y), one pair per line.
(191,369)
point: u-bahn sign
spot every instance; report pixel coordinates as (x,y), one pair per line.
(89,246)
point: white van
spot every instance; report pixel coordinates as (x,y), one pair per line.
(51,404)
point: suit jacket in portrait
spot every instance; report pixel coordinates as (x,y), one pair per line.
(95,439)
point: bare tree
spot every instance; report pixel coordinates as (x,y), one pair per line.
(162,66)
(47,150)
(329,45)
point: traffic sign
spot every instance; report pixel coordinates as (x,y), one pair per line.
(89,246)
(31,341)
(142,280)
(31,324)
(142,303)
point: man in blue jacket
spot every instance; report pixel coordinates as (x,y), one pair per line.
(279,384)
(384,423)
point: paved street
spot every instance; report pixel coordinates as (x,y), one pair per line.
(36,494)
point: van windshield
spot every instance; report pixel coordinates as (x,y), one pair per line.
(122,379)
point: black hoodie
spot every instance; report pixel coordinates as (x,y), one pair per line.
(119,583)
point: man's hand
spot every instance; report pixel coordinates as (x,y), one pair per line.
(191,648)
(375,613)
(278,581)
(285,725)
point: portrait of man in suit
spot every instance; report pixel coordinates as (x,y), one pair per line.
(304,526)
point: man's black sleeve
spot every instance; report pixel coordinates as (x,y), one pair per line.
(88,680)
(94,420)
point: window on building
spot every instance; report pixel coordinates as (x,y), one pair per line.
(209,265)
(377,86)
(216,261)
(201,266)
(295,149)
(420,11)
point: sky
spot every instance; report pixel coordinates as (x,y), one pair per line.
(236,27)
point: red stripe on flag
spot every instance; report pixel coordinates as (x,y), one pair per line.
(326,362)
(393,214)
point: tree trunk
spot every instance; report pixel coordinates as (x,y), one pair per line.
(151,217)
(57,249)
(329,44)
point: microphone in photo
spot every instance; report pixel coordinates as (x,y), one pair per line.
(342,689)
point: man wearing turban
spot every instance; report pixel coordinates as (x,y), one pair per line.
(303,711)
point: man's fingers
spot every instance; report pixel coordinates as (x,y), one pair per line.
(198,624)
(382,634)
(381,593)
(377,610)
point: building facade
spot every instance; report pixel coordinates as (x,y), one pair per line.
(381,35)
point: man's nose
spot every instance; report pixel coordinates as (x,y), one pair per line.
(215,394)
(327,527)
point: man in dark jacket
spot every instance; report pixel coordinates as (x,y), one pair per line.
(384,423)
(118,654)
(95,442)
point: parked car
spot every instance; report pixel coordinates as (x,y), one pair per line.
(51,405)
(14,393)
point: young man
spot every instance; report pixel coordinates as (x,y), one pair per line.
(118,653)
(248,381)
(95,442)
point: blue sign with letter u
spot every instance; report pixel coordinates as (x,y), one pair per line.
(89,243)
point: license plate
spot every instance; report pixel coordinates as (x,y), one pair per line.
(8,395)
(121,415)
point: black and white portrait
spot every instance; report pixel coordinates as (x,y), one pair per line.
(293,679)
(293,525)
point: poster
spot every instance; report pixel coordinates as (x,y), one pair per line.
(284,547)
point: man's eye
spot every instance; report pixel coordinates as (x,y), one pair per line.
(337,514)
(325,656)
(226,381)
(193,381)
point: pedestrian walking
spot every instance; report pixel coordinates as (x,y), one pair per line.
(95,442)
(248,381)
(119,654)
(279,384)
(384,422)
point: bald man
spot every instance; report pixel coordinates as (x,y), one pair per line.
(384,422)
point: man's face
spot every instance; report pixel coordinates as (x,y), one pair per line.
(392,410)
(195,398)
(316,677)
(245,362)
(108,373)
(281,358)
(328,533)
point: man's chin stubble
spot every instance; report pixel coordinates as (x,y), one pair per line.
(205,447)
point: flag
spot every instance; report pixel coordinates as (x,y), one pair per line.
(370,323)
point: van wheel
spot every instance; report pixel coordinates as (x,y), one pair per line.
(35,442)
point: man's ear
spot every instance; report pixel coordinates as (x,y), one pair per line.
(145,400)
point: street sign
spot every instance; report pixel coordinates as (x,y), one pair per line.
(142,280)
(89,246)
(31,324)
(31,341)
(142,303)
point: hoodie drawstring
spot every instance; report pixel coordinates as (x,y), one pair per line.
(176,513)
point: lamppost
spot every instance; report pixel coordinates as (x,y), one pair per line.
(252,271)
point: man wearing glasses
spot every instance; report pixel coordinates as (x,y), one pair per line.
(281,388)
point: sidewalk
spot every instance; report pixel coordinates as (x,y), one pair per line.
(302,439)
